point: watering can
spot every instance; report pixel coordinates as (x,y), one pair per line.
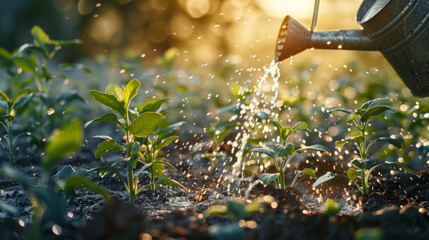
(397,28)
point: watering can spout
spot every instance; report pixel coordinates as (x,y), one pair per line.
(294,38)
(399,29)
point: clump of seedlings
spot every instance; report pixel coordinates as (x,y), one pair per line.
(144,137)
(362,167)
(283,153)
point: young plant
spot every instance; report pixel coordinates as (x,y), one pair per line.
(218,133)
(144,138)
(49,207)
(283,153)
(362,167)
(8,108)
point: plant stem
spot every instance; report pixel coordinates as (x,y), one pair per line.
(11,150)
(282,180)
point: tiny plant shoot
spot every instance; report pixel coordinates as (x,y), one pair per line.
(144,137)
(362,167)
(8,108)
(283,153)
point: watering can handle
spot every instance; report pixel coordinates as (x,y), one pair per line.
(315,13)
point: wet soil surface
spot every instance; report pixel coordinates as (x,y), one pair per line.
(396,208)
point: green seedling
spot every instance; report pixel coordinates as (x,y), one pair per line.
(283,153)
(8,109)
(143,134)
(48,206)
(217,134)
(362,167)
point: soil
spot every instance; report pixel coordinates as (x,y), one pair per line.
(396,208)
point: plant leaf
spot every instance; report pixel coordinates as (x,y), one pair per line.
(297,126)
(39,36)
(4,96)
(324,178)
(365,165)
(83,182)
(163,180)
(108,100)
(352,174)
(107,147)
(165,142)
(264,151)
(392,141)
(268,177)
(168,130)
(145,124)
(284,151)
(374,111)
(309,171)
(152,105)
(237,209)
(340,110)
(357,139)
(316,147)
(63,141)
(27,64)
(20,95)
(106,117)
(115,90)
(17,176)
(373,103)
(130,92)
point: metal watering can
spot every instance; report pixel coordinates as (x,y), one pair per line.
(397,28)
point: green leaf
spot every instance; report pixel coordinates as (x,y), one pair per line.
(110,101)
(63,142)
(163,180)
(284,151)
(165,142)
(237,209)
(324,178)
(373,103)
(278,125)
(20,95)
(165,163)
(310,172)
(374,111)
(107,147)
(405,168)
(340,110)
(392,141)
(39,36)
(157,169)
(17,176)
(4,96)
(83,182)
(352,174)
(351,117)
(332,208)
(130,92)
(168,130)
(297,126)
(364,165)
(316,147)
(152,105)
(9,209)
(356,139)
(27,64)
(264,151)
(268,177)
(108,169)
(115,90)
(145,124)
(106,117)
(5,57)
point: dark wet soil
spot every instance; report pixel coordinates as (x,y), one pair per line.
(396,208)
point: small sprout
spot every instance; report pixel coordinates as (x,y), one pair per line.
(283,153)
(362,167)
